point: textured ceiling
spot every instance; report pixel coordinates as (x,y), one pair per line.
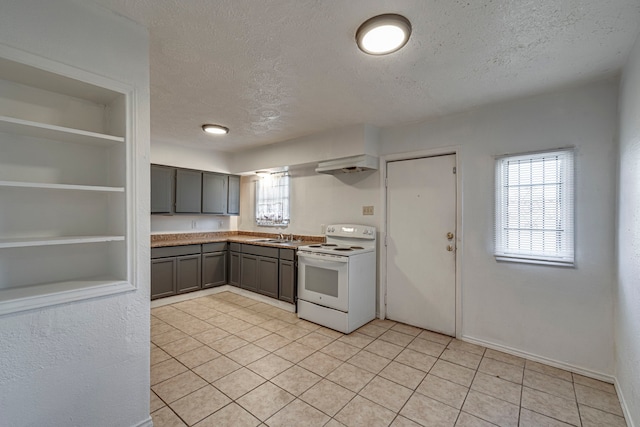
(273,70)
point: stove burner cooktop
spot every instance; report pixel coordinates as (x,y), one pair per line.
(329,244)
(343,249)
(357,247)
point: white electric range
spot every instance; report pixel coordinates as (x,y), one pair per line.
(337,279)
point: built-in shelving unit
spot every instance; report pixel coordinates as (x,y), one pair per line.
(64,186)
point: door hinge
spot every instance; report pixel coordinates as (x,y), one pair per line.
(385,240)
(454,169)
(386,182)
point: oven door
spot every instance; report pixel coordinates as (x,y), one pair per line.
(324,280)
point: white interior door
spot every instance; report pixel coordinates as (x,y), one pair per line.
(421,256)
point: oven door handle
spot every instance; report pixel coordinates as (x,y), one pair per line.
(329,259)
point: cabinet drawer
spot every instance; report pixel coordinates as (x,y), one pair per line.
(289,254)
(214,247)
(174,251)
(260,250)
(235,247)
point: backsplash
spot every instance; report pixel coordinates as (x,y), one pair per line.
(192,223)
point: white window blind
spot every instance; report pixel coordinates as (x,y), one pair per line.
(272,200)
(535,209)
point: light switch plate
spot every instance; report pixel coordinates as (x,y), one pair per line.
(367,210)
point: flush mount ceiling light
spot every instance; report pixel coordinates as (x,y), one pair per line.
(263,174)
(215,129)
(383,34)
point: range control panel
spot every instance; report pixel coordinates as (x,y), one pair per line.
(351,230)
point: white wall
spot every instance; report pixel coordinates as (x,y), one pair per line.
(164,153)
(627,323)
(188,157)
(564,315)
(83,363)
(318,199)
(334,144)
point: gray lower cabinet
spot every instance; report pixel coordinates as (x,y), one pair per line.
(259,274)
(260,269)
(235,258)
(266,270)
(214,264)
(163,277)
(188,191)
(188,273)
(268,276)
(287,288)
(174,270)
(249,272)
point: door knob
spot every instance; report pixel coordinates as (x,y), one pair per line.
(449,235)
(450,248)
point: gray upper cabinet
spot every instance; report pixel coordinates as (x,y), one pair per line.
(214,193)
(233,204)
(188,191)
(162,189)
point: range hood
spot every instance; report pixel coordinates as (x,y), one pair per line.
(348,165)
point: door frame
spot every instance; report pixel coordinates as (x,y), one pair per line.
(459,241)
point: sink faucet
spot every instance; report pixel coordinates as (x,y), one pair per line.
(290,238)
(281,236)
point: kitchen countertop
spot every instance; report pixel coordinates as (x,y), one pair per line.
(181,239)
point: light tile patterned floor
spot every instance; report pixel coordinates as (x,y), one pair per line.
(227,360)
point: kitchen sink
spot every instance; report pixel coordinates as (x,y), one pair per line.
(273,241)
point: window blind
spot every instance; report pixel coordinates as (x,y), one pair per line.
(272,200)
(535,208)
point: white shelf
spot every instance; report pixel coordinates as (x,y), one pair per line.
(61,186)
(47,294)
(48,241)
(67,160)
(58,133)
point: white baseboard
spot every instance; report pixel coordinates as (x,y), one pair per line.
(534,357)
(145,423)
(224,288)
(623,403)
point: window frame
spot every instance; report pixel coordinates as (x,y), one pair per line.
(286,200)
(565,199)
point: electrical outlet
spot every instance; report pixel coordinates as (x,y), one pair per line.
(367,210)
(323,229)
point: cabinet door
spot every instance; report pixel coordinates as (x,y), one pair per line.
(287,281)
(214,193)
(249,272)
(162,189)
(233,205)
(214,269)
(234,268)
(188,191)
(188,273)
(268,276)
(163,277)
